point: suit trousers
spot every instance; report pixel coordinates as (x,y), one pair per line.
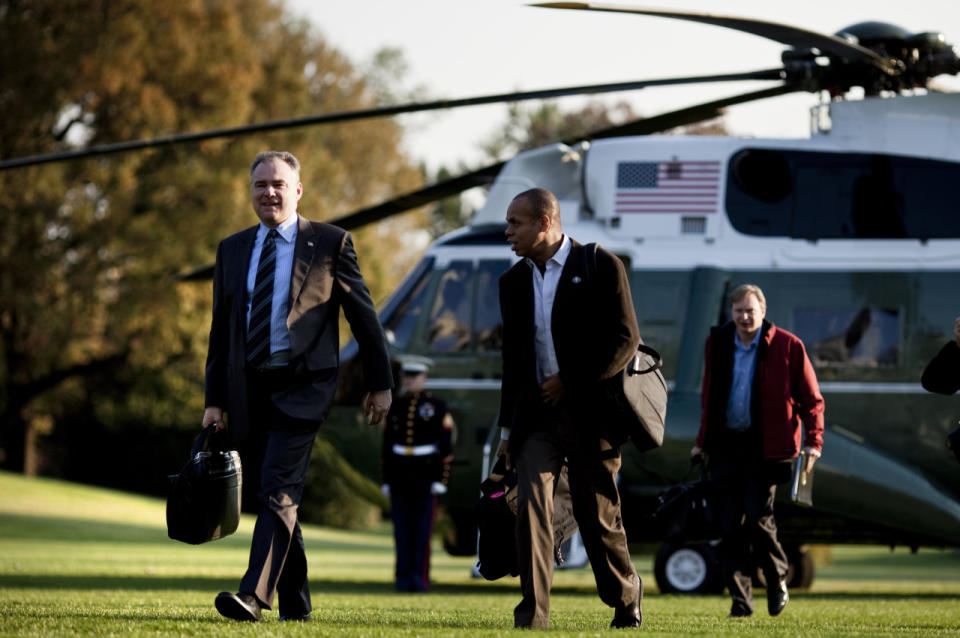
(277,450)
(592,468)
(751,541)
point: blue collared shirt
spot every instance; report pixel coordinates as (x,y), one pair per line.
(744,360)
(279,336)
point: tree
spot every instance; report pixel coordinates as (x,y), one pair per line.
(98,343)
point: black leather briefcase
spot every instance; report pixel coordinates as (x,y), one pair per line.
(204,499)
(496,523)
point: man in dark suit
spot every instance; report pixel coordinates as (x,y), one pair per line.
(568,326)
(272,363)
(942,375)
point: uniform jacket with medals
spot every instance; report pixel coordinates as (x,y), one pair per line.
(417,440)
(325,278)
(595,335)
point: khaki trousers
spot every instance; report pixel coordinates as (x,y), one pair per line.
(596,506)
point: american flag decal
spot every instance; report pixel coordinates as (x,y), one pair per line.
(667,187)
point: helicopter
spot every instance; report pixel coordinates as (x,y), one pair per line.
(851,232)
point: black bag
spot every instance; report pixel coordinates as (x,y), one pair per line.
(689,512)
(204,499)
(496,524)
(639,400)
(637,395)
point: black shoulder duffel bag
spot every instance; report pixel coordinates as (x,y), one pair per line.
(204,499)
(691,512)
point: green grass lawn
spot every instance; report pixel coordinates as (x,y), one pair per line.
(79,561)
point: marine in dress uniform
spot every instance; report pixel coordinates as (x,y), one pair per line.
(416,455)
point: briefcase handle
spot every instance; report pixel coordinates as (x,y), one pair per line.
(633,368)
(208,439)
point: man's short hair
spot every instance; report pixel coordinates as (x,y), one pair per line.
(542,201)
(283,156)
(741,291)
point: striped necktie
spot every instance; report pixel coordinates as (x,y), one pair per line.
(261,308)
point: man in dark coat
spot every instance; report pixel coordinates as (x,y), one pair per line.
(569,325)
(272,362)
(415,459)
(942,375)
(760,402)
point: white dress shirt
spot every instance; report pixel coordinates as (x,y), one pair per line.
(280,307)
(544,291)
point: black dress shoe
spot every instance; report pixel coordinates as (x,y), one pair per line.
(777,598)
(295,618)
(739,611)
(238,606)
(627,617)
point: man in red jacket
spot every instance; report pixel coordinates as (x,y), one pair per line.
(758,389)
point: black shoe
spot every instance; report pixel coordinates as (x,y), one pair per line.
(627,617)
(298,618)
(777,598)
(739,611)
(238,606)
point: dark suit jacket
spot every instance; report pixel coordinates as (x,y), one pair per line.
(325,278)
(942,374)
(595,334)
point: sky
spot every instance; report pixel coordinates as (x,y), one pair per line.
(462,48)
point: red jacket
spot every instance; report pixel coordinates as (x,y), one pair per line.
(784,394)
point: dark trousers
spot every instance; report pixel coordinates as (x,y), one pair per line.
(592,467)
(412,516)
(277,451)
(751,542)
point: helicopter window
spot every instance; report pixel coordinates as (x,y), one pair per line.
(450,314)
(400,321)
(761,173)
(820,195)
(487,326)
(849,337)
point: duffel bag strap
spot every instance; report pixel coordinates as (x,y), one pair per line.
(634,367)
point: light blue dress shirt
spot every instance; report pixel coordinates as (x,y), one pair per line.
(744,360)
(279,336)
(544,292)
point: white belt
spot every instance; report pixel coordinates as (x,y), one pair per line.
(415,450)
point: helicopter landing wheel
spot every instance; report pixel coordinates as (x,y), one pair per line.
(688,569)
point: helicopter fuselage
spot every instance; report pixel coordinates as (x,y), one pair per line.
(854,236)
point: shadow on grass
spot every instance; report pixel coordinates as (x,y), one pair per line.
(331,586)
(216,584)
(395,620)
(33,528)
(874,596)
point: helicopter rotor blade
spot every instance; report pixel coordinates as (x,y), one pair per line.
(689,115)
(385,111)
(782,33)
(421,197)
(486,175)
